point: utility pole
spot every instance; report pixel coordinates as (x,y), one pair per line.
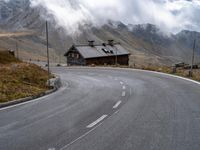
(116,59)
(47,38)
(17,51)
(59,58)
(191,70)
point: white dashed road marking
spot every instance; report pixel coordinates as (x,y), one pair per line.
(121,82)
(124,87)
(123,93)
(117,104)
(97,121)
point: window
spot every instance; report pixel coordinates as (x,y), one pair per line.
(74,55)
(77,56)
(107,51)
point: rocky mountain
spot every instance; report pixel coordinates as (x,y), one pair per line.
(186,38)
(147,43)
(9,9)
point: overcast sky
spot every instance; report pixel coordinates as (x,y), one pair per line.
(170,15)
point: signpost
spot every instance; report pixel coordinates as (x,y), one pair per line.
(191,70)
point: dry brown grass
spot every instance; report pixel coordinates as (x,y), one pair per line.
(179,72)
(163,69)
(185,73)
(19,80)
(6,58)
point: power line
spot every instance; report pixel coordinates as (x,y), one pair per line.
(17,51)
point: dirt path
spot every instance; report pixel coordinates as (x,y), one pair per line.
(16,34)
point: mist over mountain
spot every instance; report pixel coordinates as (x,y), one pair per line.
(169,15)
(148,43)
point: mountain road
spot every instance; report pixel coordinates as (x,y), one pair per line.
(107,109)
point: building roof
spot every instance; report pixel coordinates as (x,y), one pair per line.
(95,51)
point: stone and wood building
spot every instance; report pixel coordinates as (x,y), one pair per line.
(109,53)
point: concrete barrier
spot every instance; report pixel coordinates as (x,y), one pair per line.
(55,82)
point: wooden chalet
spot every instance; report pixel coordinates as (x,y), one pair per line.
(109,53)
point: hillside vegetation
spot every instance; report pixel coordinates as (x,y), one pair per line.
(6,58)
(179,72)
(147,43)
(19,79)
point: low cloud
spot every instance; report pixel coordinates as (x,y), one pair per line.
(169,15)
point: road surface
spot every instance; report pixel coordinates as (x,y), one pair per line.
(107,109)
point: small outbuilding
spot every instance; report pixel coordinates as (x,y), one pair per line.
(109,53)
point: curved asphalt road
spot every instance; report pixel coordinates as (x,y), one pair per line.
(107,109)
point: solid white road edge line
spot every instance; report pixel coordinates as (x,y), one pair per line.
(129,69)
(160,73)
(80,137)
(97,121)
(34,100)
(123,93)
(117,105)
(84,135)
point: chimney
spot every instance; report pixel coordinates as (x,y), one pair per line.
(91,43)
(111,42)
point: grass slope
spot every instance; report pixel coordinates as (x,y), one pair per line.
(6,58)
(179,72)
(19,80)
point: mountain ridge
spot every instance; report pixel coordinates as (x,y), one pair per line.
(147,43)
